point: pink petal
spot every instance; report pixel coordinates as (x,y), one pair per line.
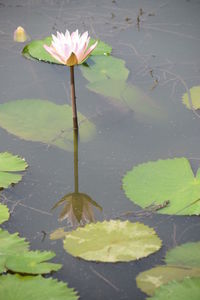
(54,54)
(87,53)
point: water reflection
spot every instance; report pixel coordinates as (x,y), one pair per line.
(77,207)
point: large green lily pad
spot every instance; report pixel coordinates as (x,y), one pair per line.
(14,256)
(44,121)
(195,98)
(181,262)
(35,49)
(4,213)
(112,241)
(9,164)
(16,287)
(189,288)
(157,181)
(105,67)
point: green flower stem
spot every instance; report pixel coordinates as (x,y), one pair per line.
(73,98)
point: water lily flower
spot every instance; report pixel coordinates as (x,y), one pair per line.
(71,49)
(20,35)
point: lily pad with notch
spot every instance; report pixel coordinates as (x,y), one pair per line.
(155,182)
(35,50)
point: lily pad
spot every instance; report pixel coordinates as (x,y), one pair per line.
(10,244)
(112,241)
(181,262)
(195,98)
(150,280)
(189,288)
(16,257)
(16,287)
(4,213)
(104,68)
(157,181)
(32,262)
(58,234)
(9,164)
(44,121)
(128,96)
(35,49)
(101,48)
(187,255)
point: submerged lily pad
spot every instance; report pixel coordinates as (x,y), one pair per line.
(128,96)
(44,121)
(15,256)
(35,49)
(157,181)
(181,262)
(195,98)
(4,213)
(105,67)
(15,287)
(112,241)
(189,288)
(9,164)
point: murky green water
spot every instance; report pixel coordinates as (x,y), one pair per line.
(161,51)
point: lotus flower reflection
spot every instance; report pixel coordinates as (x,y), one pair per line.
(71,49)
(77,209)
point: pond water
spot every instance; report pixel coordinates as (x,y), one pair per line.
(161,51)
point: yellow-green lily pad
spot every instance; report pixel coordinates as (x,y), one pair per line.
(112,241)
(4,213)
(192,102)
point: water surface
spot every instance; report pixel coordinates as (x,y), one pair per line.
(162,54)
